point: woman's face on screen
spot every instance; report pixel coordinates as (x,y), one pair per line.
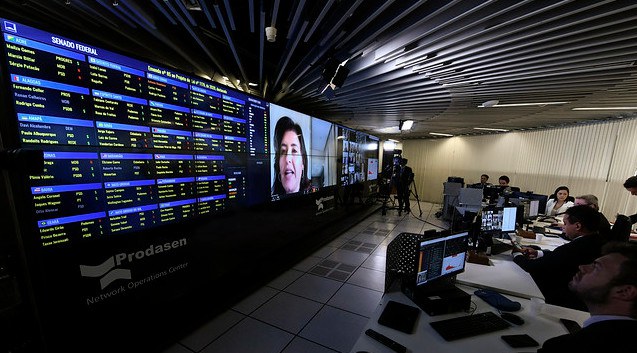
(290,162)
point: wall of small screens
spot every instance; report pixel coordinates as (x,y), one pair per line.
(158,183)
(131,145)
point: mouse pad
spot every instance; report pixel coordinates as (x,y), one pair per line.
(399,316)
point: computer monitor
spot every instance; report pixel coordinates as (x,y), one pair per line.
(470,197)
(498,219)
(492,192)
(441,257)
(534,208)
(531,196)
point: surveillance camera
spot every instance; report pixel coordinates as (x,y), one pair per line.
(270,33)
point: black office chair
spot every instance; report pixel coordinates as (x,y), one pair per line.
(621,229)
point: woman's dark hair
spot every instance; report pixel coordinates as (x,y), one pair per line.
(554,195)
(505,178)
(284,125)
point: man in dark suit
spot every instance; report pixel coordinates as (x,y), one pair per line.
(608,286)
(552,270)
(405,177)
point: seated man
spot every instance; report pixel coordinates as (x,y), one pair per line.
(608,287)
(552,270)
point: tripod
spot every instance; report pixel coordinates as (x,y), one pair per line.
(415,193)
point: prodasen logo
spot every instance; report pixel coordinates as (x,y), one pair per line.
(319,202)
(108,272)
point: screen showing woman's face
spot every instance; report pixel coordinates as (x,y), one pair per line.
(290,162)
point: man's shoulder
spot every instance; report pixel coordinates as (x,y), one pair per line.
(618,334)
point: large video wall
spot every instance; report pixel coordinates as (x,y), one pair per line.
(130,145)
(157,183)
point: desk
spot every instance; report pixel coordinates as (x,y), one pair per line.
(505,276)
(541,326)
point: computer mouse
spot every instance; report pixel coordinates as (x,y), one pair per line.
(512,318)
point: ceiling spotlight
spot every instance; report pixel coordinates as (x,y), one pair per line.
(489,104)
(115,3)
(68,2)
(406,124)
(270,34)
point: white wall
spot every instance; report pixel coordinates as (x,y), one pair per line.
(589,159)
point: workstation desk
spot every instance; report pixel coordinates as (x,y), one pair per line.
(541,323)
(502,275)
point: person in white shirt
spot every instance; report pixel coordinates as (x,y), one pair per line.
(558,202)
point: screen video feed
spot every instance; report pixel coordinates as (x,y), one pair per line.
(290,136)
(323,154)
(498,219)
(372,168)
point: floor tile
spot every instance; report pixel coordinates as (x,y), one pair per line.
(255,300)
(348,257)
(286,278)
(356,299)
(375,262)
(177,348)
(300,345)
(243,338)
(307,263)
(314,287)
(324,251)
(210,331)
(368,278)
(288,312)
(335,328)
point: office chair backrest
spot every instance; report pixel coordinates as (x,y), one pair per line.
(621,229)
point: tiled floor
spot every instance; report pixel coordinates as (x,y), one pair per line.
(321,304)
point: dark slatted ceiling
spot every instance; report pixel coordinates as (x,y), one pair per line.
(430,61)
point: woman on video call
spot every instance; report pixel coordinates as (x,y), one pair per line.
(290,161)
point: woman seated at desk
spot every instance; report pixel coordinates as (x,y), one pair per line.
(559,202)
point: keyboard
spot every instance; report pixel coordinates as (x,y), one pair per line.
(469,326)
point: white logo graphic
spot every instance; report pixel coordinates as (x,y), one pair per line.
(10,27)
(108,272)
(319,204)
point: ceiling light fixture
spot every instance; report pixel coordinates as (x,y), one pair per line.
(606,108)
(252,84)
(115,3)
(539,104)
(440,134)
(490,129)
(406,124)
(489,104)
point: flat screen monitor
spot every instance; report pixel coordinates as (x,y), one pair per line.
(441,257)
(498,219)
(534,208)
(531,196)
